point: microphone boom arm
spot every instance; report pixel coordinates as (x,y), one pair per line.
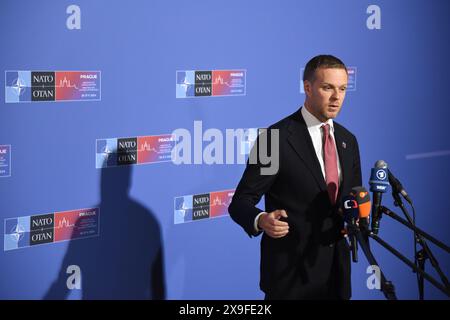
(410,264)
(386,286)
(420,235)
(394,216)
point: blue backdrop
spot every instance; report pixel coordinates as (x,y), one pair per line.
(398,112)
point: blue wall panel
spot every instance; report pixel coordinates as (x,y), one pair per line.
(398,112)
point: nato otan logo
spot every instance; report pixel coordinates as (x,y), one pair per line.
(195,207)
(34,86)
(210,83)
(22,232)
(133,150)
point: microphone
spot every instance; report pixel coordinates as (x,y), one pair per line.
(351,213)
(397,186)
(363,199)
(378,185)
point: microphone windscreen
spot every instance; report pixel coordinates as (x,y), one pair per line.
(381,164)
(350,208)
(362,197)
(364,210)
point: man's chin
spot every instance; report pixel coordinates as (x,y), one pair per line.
(332,114)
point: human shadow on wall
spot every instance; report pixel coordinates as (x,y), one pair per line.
(126,260)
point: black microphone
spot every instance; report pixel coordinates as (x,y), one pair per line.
(351,214)
(397,186)
(378,185)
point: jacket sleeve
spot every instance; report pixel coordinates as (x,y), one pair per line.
(253,185)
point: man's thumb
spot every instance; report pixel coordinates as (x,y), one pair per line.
(280,213)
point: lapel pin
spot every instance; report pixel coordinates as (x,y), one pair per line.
(344,145)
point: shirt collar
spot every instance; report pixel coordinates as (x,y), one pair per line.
(312,122)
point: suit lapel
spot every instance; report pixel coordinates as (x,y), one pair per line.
(301,142)
(344,155)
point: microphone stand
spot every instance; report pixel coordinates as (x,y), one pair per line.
(410,264)
(386,286)
(411,226)
(423,254)
(419,256)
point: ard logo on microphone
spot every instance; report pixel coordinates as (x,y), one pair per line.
(381,174)
(378,180)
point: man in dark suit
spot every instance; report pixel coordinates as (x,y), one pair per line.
(303,252)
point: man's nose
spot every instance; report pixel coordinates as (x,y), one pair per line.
(335,95)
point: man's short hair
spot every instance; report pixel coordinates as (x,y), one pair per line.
(321,61)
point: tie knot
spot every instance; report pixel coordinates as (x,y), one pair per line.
(326,129)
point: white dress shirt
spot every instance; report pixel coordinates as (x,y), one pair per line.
(316,132)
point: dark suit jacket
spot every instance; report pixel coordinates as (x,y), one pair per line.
(312,261)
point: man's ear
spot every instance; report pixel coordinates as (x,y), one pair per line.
(307,87)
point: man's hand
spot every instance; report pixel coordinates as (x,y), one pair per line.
(271,224)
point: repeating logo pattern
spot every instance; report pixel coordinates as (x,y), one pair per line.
(5,161)
(29,231)
(33,86)
(114,152)
(202,206)
(137,150)
(191,83)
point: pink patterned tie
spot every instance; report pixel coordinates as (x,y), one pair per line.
(331,167)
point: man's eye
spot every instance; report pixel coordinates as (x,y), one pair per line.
(343,89)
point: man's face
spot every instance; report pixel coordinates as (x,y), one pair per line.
(325,95)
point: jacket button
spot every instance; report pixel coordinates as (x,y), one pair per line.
(331,245)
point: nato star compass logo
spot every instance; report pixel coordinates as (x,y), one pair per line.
(185,84)
(17,86)
(106,153)
(17,232)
